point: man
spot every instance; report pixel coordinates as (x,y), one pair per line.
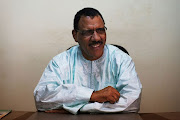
(89,77)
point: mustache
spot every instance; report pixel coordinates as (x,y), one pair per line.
(95,42)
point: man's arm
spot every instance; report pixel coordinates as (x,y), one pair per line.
(108,94)
(51,93)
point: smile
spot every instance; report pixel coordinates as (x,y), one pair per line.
(96,44)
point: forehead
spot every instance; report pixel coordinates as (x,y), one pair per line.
(87,22)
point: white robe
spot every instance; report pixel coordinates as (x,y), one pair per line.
(69,80)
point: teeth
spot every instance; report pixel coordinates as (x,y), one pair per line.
(95,45)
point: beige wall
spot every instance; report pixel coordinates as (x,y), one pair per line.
(33,31)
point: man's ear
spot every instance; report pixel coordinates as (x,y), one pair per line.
(74,33)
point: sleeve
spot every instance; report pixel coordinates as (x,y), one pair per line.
(128,85)
(52,93)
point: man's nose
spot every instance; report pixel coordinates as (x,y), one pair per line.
(96,36)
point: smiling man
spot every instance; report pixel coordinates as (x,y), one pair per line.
(89,77)
(91,36)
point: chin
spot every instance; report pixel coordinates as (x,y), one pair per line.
(97,56)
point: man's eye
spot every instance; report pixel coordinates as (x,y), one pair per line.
(88,32)
(100,30)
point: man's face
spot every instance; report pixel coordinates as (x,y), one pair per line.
(92,46)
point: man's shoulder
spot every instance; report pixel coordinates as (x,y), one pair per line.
(113,50)
(116,54)
(64,56)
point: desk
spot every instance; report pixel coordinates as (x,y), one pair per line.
(161,116)
(22,115)
(57,116)
(19,115)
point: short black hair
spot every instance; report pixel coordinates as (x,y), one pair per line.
(86,12)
